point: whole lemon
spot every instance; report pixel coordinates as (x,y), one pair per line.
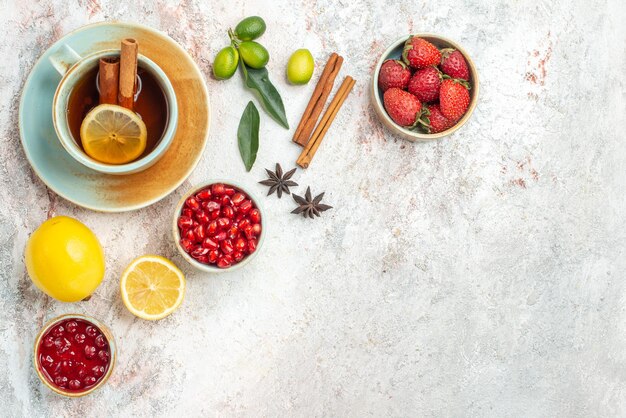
(64,259)
(300,67)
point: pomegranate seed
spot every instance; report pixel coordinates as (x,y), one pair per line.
(210,244)
(202,217)
(238,198)
(199,252)
(213,255)
(227,246)
(256,229)
(238,256)
(228,212)
(204,194)
(251,246)
(224,262)
(255,215)
(212,228)
(211,206)
(190,235)
(220,236)
(245,206)
(223,223)
(233,232)
(199,231)
(239,216)
(240,244)
(217,189)
(187,212)
(186,244)
(226,200)
(204,259)
(192,203)
(243,224)
(248,232)
(214,214)
(229,191)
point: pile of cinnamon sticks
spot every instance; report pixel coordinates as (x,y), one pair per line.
(118,75)
(305,134)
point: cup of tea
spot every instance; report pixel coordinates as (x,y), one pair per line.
(77,94)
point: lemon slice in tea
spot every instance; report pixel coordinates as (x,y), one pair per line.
(152,287)
(113,134)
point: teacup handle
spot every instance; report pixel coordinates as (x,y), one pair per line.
(64,58)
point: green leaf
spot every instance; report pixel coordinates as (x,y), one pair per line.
(259,82)
(248,135)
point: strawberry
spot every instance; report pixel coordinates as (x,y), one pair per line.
(425,84)
(419,53)
(393,73)
(453,64)
(453,98)
(436,121)
(403,108)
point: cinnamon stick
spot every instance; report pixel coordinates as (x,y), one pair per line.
(128,73)
(329,116)
(108,79)
(318,99)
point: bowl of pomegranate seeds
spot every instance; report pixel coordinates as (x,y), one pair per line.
(74,355)
(424,87)
(218,226)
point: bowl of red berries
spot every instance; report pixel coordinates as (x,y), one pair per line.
(74,355)
(218,226)
(424,87)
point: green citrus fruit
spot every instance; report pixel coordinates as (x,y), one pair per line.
(254,54)
(300,67)
(250,28)
(64,259)
(225,63)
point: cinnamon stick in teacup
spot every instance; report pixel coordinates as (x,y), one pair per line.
(128,73)
(108,79)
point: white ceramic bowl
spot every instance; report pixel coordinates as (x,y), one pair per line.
(207,267)
(395,52)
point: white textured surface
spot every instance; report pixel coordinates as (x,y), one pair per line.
(481,275)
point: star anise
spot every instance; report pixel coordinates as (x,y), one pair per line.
(278,182)
(308,206)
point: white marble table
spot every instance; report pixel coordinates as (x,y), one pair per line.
(480,275)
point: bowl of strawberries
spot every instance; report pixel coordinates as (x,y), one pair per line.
(424,87)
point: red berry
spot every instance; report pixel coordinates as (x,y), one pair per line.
(237,198)
(425,84)
(100,341)
(97,370)
(419,53)
(61,381)
(58,331)
(71,327)
(255,216)
(192,203)
(453,63)
(91,331)
(402,107)
(48,341)
(217,189)
(453,99)
(393,73)
(74,384)
(204,194)
(104,355)
(90,351)
(437,122)
(89,381)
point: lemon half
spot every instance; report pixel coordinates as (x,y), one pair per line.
(113,134)
(152,287)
